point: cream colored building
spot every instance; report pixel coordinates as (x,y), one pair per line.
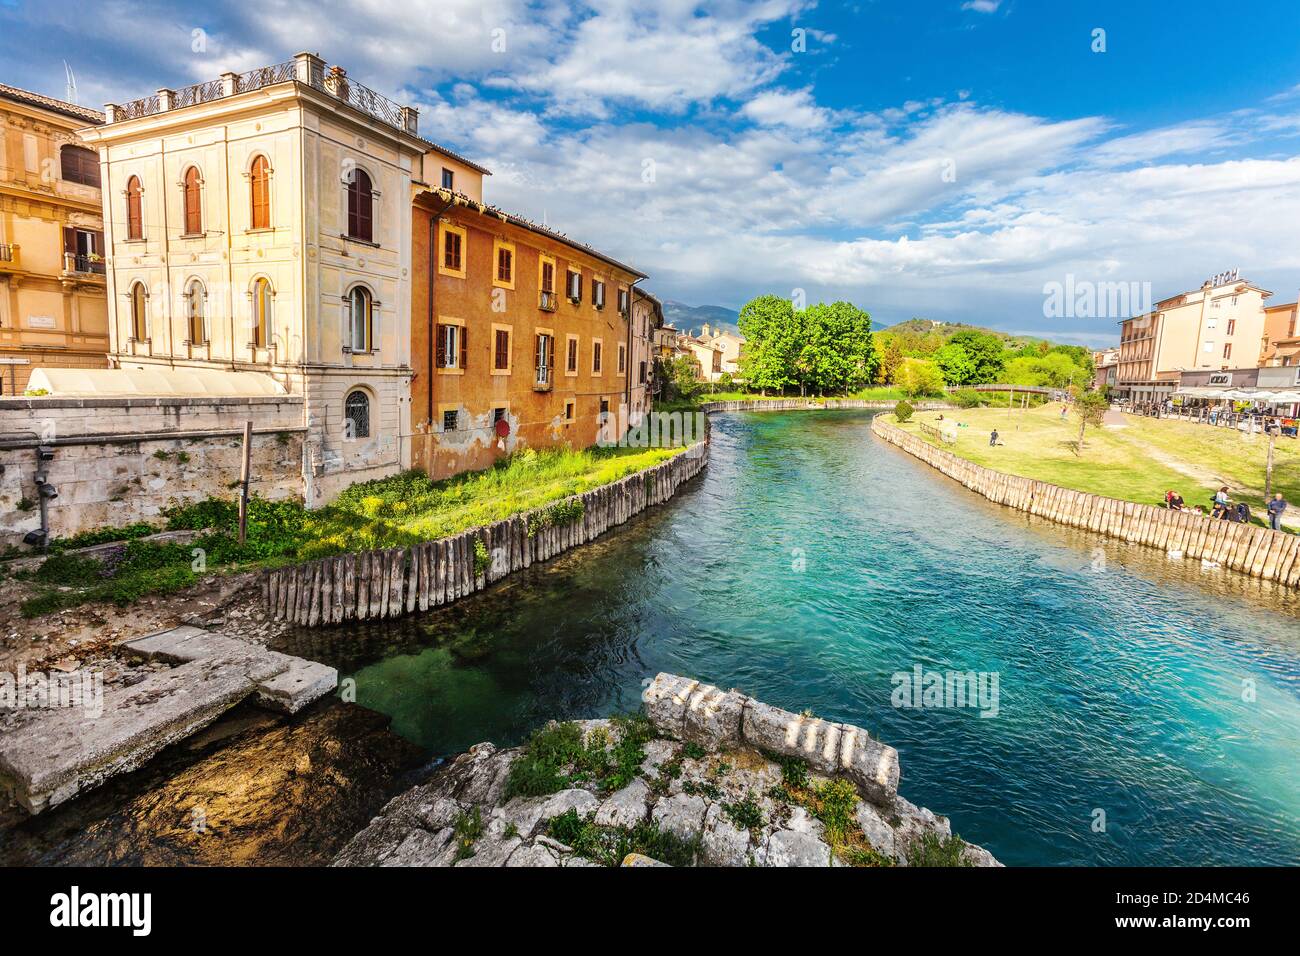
(1218,326)
(1281,344)
(717,351)
(647,318)
(262,222)
(52,306)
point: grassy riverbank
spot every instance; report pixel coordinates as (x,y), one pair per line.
(389,512)
(1137,462)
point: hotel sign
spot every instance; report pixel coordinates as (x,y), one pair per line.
(1223,278)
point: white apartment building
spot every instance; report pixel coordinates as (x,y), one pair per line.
(261,222)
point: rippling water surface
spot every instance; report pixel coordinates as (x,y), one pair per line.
(1161,695)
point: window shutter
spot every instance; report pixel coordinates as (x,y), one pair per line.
(69,240)
(442,346)
(464,346)
(537,351)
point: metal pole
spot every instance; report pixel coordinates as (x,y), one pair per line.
(243,481)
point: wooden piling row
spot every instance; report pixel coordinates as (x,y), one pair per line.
(1260,552)
(373,585)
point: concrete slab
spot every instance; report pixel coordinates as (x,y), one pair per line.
(67,751)
(64,751)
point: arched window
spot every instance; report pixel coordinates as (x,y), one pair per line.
(360,206)
(261,324)
(193,202)
(356,414)
(79,165)
(361,319)
(259,179)
(195,319)
(134,214)
(139,313)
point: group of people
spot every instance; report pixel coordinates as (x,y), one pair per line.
(1223,509)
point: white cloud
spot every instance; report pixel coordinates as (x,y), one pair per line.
(982,6)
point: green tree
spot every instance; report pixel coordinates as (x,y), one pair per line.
(918,378)
(985,352)
(1090,407)
(772,334)
(837,353)
(955,364)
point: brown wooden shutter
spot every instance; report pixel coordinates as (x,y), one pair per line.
(442,345)
(193,204)
(134,215)
(69,240)
(537,351)
(464,346)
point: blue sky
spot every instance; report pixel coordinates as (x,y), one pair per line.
(937,158)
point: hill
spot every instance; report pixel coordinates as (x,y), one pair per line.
(689,318)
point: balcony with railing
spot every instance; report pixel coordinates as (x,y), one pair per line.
(8,252)
(305,68)
(542,380)
(546,301)
(84,264)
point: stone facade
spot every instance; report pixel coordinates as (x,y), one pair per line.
(116,461)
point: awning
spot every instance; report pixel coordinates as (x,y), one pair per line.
(158,382)
(1265,396)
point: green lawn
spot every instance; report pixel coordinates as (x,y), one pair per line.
(1139,462)
(389,512)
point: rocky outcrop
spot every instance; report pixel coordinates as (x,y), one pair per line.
(720,780)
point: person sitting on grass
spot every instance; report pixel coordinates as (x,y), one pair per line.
(1220,503)
(1241,513)
(1173,501)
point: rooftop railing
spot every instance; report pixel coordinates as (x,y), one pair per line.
(305,68)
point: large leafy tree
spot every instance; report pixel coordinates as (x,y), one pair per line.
(985,352)
(955,363)
(823,349)
(919,378)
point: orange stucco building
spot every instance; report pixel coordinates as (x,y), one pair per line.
(520,337)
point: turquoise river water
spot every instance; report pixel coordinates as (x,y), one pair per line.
(1148,711)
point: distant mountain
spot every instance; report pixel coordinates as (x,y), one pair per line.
(689,318)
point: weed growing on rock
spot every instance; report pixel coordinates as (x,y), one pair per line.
(746,814)
(932,850)
(467,829)
(556,757)
(609,845)
(694,751)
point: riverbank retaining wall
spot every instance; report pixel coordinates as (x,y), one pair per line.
(1260,552)
(372,585)
(801,404)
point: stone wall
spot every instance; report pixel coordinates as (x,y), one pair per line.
(1260,552)
(371,585)
(117,461)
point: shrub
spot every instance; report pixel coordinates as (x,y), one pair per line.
(967,398)
(903,411)
(931,850)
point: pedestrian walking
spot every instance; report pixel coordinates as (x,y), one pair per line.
(1276,505)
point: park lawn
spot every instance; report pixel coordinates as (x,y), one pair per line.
(1038,444)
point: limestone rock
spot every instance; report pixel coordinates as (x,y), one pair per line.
(665,703)
(625,808)
(681,814)
(876,829)
(421,848)
(534,855)
(657,753)
(792,848)
(811,739)
(723,843)
(490,852)
(713,717)
(978,856)
(640,859)
(871,765)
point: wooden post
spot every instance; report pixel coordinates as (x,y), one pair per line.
(245,468)
(1268,468)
